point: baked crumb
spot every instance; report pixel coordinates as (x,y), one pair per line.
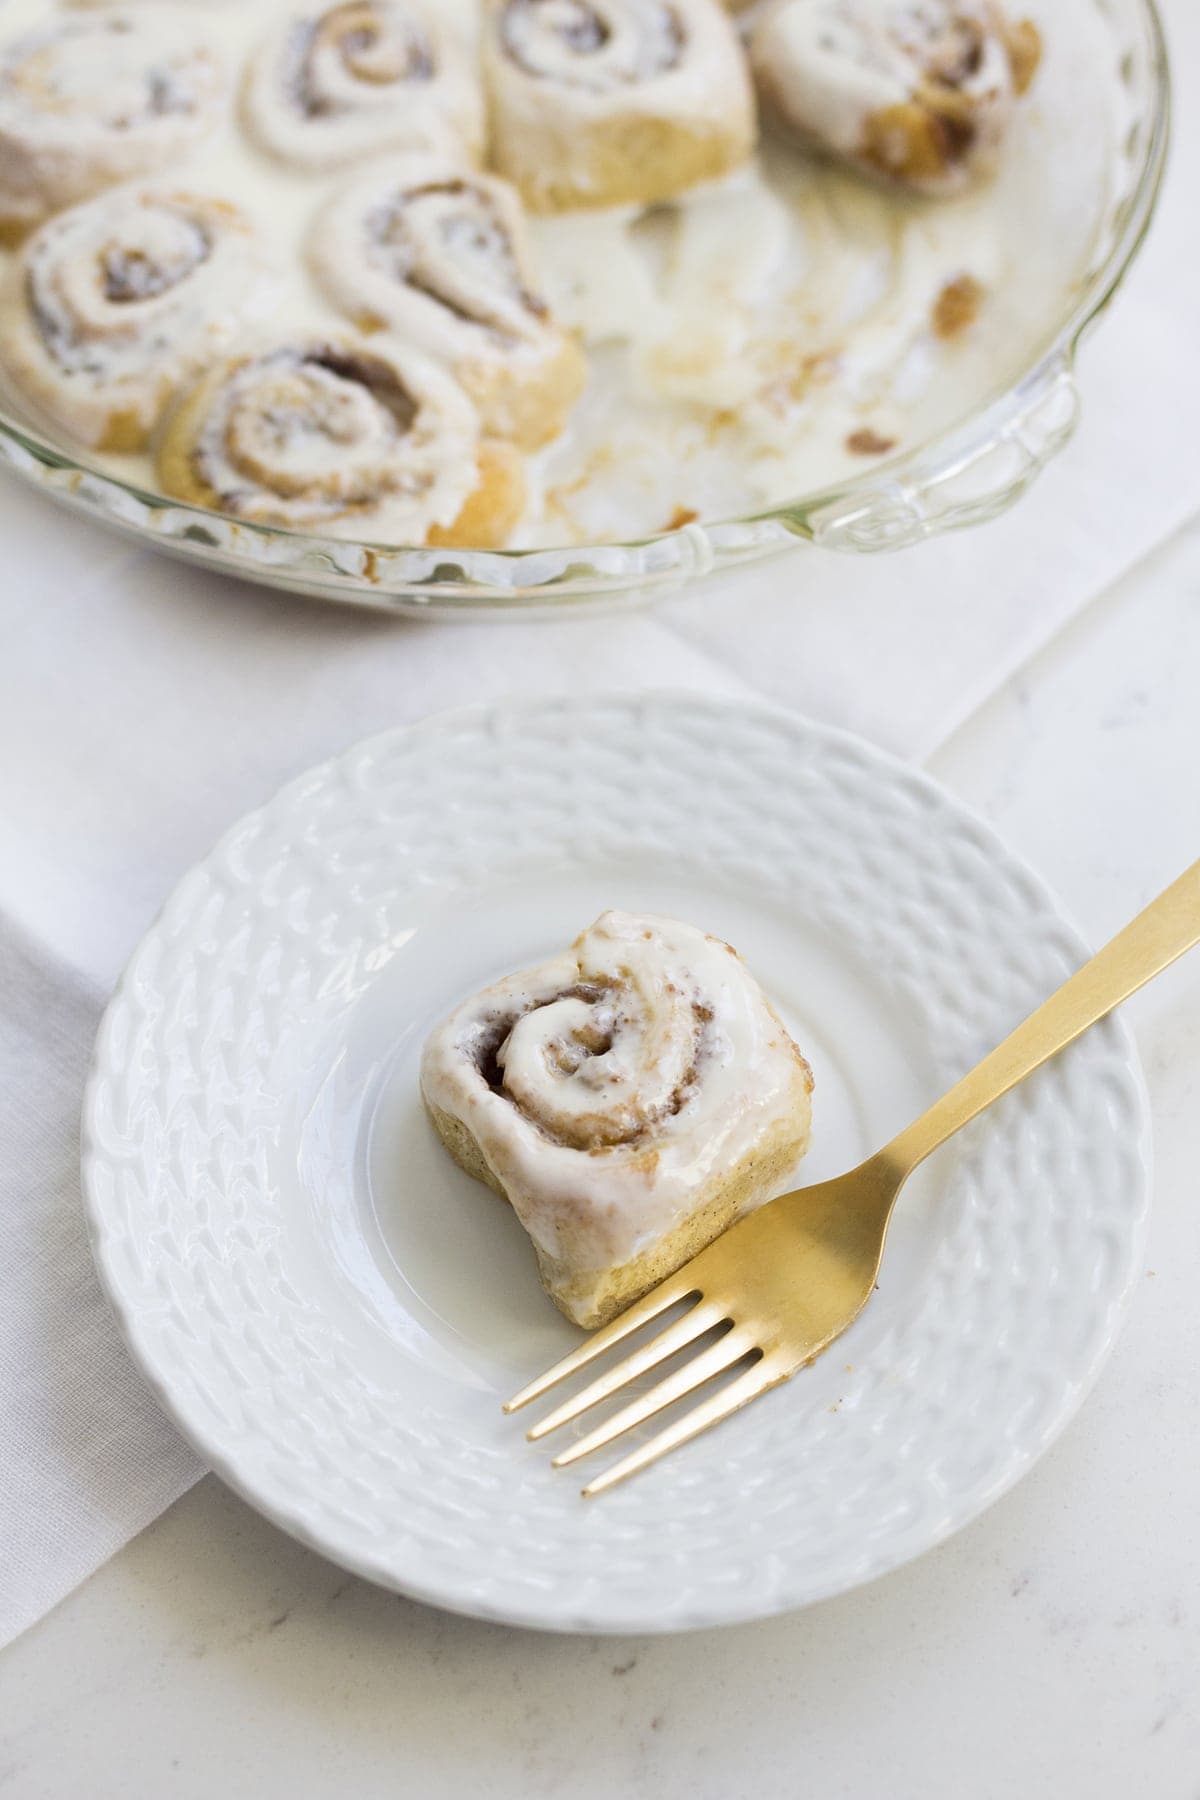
(865,442)
(1023,42)
(957,306)
(794,374)
(683,515)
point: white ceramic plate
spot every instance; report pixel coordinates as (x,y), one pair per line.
(332,1312)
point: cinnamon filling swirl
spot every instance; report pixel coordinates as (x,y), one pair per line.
(88,302)
(330,85)
(441,258)
(599,1065)
(128,275)
(311,433)
(919,91)
(105,72)
(629,1097)
(316,428)
(116,301)
(448,240)
(86,102)
(600,45)
(335,61)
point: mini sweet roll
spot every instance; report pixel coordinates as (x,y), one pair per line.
(90,100)
(362,438)
(918,92)
(615,102)
(442,257)
(115,303)
(630,1098)
(333,84)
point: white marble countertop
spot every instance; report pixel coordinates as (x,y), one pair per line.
(1050,1650)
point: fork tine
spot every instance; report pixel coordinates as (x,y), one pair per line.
(765,1374)
(676,1288)
(694,1323)
(705,1367)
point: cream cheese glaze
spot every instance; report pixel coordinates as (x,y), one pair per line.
(761,337)
(611,1086)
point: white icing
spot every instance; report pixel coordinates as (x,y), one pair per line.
(621,1104)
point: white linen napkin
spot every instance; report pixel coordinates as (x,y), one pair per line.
(144,705)
(86,1457)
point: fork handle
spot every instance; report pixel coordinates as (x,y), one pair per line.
(1169,926)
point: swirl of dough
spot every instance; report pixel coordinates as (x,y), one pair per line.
(86,102)
(594,44)
(442,257)
(608,1062)
(333,84)
(919,92)
(349,437)
(626,1096)
(117,302)
(611,102)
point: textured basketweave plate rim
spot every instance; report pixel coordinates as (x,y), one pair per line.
(1012,1325)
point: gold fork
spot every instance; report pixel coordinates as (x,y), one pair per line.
(784,1282)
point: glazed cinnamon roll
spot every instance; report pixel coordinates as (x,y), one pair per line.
(612,102)
(88,101)
(918,94)
(443,258)
(346,437)
(115,303)
(333,84)
(630,1098)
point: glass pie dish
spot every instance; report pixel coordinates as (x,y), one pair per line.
(971,470)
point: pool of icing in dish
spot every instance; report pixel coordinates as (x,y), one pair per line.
(767,335)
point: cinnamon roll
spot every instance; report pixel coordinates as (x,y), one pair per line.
(345,437)
(88,101)
(443,258)
(630,1098)
(115,303)
(920,94)
(333,84)
(613,102)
